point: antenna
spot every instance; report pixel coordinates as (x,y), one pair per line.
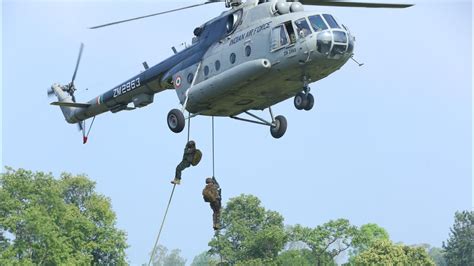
(353,59)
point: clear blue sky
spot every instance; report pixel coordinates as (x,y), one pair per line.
(388,143)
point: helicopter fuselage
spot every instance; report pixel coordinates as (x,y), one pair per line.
(248,58)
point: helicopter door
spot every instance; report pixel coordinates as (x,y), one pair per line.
(283,36)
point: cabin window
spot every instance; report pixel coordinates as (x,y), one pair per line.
(217,64)
(248,50)
(232,58)
(317,23)
(190,78)
(206,70)
(291,31)
(283,35)
(279,37)
(302,27)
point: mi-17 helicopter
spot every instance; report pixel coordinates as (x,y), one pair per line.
(254,55)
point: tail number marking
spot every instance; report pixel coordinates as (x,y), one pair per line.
(126,87)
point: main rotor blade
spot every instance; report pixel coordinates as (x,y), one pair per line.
(345,3)
(151,15)
(77,63)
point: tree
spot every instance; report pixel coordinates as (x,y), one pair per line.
(300,257)
(326,241)
(205,259)
(366,235)
(384,252)
(249,232)
(437,255)
(56,222)
(459,249)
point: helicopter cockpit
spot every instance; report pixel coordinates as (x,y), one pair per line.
(333,39)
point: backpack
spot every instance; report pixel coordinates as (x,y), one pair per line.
(209,193)
(197,157)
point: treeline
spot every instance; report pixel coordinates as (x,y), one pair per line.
(49,221)
(252,235)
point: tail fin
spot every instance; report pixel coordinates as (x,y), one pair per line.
(65,102)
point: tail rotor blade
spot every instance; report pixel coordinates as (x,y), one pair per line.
(77,63)
(50,92)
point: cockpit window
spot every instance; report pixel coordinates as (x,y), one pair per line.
(331,21)
(317,23)
(233,21)
(302,27)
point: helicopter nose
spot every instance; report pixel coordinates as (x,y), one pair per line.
(335,43)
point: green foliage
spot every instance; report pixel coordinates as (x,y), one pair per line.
(437,255)
(459,249)
(326,241)
(301,257)
(205,259)
(164,258)
(56,222)
(384,252)
(249,232)
(366,235)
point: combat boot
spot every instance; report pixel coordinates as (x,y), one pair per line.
(176,181)
(217,227)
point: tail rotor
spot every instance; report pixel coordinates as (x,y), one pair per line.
(70,88)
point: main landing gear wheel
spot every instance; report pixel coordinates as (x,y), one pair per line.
(304,101)
(309,102)
(176,121)
(279,128)
(300,101)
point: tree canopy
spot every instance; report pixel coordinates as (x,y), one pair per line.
(163,257)
(249,231)
(459,248)
(46,221)
(384,252)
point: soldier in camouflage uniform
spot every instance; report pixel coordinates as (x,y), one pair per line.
(212,194)
(189,158)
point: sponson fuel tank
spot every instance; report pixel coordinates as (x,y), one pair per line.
(224,83)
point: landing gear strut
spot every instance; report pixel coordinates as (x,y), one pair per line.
(277,126)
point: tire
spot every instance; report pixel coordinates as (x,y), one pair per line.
(300,101)
(176,120)
(309,102)
(279,129)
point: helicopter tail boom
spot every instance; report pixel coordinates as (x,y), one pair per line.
(66,103)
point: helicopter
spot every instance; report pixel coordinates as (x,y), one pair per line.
(251,57)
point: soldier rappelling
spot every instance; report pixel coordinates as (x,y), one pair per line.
(191,156)
(212,194)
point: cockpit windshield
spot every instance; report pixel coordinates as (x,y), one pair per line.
(331,21)
(302,27)
(317,23)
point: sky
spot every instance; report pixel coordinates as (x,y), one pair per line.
(387,143)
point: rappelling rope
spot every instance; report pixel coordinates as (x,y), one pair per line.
(169,203)
(217,233)
(213,160)
(161,227)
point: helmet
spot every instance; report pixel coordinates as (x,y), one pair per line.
(191,143)
(209,180)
